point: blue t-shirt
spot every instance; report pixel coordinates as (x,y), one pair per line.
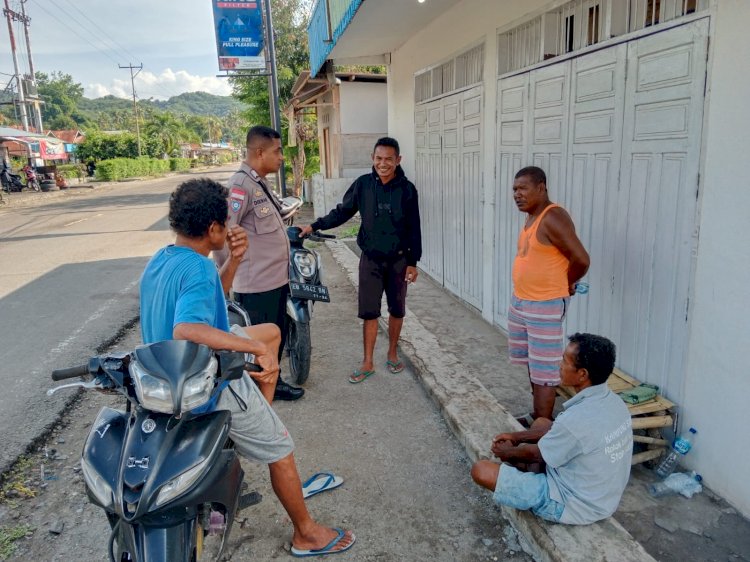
(180,286)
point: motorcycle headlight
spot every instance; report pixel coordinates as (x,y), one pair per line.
(97,484)
(197,389)
(305,264)
(153,393)
(181,483)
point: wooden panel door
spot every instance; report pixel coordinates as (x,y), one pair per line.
(656,231)
(511,139)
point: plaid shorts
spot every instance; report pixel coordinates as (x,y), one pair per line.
(535,337)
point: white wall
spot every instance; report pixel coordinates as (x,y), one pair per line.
(364,108)
(468,22)
(717,384)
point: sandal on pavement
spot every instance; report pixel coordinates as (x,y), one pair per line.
(394,366)
(359,375)
(525,420)
(327,549)
(320,482)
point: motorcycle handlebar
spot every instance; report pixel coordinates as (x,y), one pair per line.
(70,373)
(253,368)
(318,234)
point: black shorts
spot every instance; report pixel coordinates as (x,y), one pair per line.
(376,276)
(267,307)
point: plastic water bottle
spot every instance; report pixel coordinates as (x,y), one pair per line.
(680,448)
(677,483)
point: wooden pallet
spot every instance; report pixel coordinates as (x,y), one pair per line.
(651,415)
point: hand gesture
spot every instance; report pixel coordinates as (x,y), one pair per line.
(305,231)
(411,274)
(505,437)
(499,448)
(270,365)
(237,242)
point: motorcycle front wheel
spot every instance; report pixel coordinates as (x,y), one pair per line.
(300,348)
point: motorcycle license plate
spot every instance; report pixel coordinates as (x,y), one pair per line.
(310,292)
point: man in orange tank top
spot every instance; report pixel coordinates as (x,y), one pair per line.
(549,261)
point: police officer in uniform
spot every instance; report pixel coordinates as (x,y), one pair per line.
(261,284)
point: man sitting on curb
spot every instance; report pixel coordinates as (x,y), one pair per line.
(573,470)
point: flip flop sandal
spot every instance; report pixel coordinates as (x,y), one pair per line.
(394,366)
(358,376)
(320,482)
(327,549)
(525,420)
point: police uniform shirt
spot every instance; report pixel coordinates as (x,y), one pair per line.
(265,265)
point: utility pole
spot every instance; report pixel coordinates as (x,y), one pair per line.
(135,104)
(26,24)
(10,14)
(274,87)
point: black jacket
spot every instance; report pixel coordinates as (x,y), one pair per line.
(390,216)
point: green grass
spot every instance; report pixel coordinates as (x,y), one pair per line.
(14,480)
(8,536)
(350,232)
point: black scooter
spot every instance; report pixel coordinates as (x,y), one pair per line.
(168,480)
(11,182)
(305,288)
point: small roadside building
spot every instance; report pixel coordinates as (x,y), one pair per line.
(637,112)
(352,113)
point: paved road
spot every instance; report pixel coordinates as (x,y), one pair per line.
(69,269)
(407,493)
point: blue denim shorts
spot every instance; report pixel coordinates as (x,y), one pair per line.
(526,491)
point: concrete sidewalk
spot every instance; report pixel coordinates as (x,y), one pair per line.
(462,361)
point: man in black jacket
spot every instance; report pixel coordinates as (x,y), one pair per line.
(391,243)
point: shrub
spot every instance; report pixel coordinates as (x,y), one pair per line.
(72,171)
(179,164)
(117,169)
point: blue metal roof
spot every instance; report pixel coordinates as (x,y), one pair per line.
(340,14)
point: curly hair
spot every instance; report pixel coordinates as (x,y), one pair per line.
(195,204)
(596,354)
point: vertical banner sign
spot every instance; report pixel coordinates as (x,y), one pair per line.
(239,34)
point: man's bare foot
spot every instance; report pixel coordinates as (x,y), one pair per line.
(320,537)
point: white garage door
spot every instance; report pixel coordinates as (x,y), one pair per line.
(449,180)
(618,132)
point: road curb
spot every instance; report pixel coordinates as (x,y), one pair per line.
(475,417)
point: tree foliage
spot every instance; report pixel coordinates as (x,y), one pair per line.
(61,95)
(290,20)
(192,117)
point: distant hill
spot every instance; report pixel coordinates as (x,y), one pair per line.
(195,103)
(200,103)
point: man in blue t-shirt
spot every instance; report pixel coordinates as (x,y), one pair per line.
(574,470)
(182,297)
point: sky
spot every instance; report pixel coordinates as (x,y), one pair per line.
(88,39)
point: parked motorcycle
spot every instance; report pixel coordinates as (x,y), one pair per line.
(31,180)
(10,182)
(305,288)
(168,480)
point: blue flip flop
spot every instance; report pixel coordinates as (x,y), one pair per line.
(320,482)
(327,549)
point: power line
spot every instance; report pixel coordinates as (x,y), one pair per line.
(116,46)
(95,47)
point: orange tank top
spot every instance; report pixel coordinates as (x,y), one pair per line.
(540,272)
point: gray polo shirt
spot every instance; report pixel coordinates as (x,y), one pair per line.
(588,452)
(265,265)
